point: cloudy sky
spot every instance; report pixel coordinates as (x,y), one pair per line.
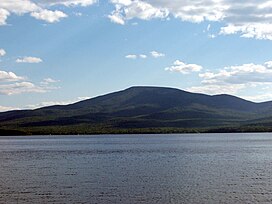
(62,51)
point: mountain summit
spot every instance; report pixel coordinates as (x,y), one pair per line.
(141,109)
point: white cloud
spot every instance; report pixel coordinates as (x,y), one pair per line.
(44,104)
(144,10)
(193,11)
(250,19)
(143,56)
(52,103)
(246,73)
(49,16)
(127,9)
(131,56)
(3,16)
(208,27)
(39,9)
(211,36)
(259,97)
(216,89)
(233,79)
(268,64)
(7,108)
(157,54)
(179,66)
(116,17)
(19,8)
(48,81)
(250,30)
(122,2)
(68,2)
(82,98)
(2,52)
(20,87)
(24,87)
(29,60)
(11,84)
(9,77)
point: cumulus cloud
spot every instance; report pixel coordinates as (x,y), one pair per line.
(235,78)
(49,16)
(250,30)
(23,87)
(18,87)
(2,52)
(191,11)
(11,84)
(9,77)
(250,19)
(179,66)
(116,17)
(29,60)
(268,64)
(127,9)
(246,73)
(157,54)
(19,8)
(39,9)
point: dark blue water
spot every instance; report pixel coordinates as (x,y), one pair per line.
(202,168)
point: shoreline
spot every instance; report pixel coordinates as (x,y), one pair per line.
(18,132)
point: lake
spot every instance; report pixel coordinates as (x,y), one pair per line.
(193,168)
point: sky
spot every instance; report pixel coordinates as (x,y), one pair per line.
(64,51)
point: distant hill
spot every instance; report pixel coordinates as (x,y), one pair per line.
(143,110)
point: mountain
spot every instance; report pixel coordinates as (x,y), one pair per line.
(143,110)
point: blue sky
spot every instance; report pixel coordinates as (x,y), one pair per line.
(62,51)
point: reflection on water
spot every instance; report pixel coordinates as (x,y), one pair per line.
(203,168)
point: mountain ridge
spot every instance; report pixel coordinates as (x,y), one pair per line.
(142,109)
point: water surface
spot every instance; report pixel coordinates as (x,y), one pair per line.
(200,168)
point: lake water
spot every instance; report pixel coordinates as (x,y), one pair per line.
(194,168)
